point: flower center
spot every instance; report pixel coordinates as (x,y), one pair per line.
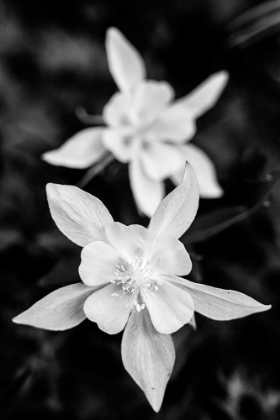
(143,128)
(135,278)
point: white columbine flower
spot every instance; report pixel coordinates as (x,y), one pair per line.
(146,128)
(130,281)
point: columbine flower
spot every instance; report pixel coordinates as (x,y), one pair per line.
(130,280)
(146,128)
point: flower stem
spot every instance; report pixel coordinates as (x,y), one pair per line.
(87,118)
(95,170)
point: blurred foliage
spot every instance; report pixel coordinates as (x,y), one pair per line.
(52,61)
(256,23)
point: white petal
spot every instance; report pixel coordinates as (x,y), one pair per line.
(109,312)
(170,307)
(147,193)
(80,151)
(169,256)
(120,146)
(178,209)
(125,63)
(130,241)
(141,106)
(161,160)
(220,304)
(150,98)
(204,169)
(192,322)
(174,124)
(148,356)
(98,264)
(60,310)
(116,111)
(205,95)
(79,215)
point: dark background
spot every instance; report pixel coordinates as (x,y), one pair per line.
(52,60)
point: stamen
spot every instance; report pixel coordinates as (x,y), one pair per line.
(132,277)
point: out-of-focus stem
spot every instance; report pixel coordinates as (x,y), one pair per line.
(95,170)
(87,118)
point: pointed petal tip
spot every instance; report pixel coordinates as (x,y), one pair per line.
(54,189)
(176,212)
(205,95)
(258,308)
(188,168)
(219,192)
(125,63)
(44,156)
(185,170)
(156,405)
(114,36)
(222,75)
(264,308)
(49,186)
(53,158)
(112,31)
(192,323)
(21,319)
(190,175)
(16,319)
(50,157)
(216,191)
(220,79)
(220,304)
(51,189)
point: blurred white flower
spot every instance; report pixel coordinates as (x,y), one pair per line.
(146,128)
(130,281)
